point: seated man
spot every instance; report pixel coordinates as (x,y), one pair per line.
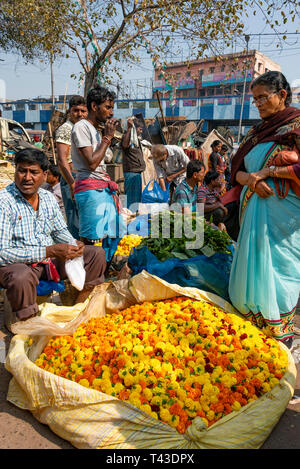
(34,240)
(208,195)
(186,192)
(170,163)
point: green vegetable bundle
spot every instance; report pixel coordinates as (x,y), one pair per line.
(172,232)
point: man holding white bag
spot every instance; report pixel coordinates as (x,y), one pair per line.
(35,243)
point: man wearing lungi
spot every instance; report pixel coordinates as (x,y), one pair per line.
(95,193)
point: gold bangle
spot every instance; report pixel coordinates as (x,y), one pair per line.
(252,186)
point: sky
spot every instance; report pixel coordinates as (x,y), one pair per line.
(18,80)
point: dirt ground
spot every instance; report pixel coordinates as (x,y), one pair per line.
(20,430)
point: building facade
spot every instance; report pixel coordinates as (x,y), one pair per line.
(210,77)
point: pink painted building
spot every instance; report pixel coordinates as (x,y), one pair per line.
(211,77)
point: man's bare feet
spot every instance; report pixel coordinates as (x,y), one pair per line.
(124,273)
(83,295)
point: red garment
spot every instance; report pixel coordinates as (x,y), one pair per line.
(51,271)
(98,184)
(91,184)
(265,131)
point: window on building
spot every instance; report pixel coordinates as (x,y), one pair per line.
(210,91)
(185,93)
(188,74)
(222,68)
(32,106)
(212,70)
(201,72)
(122,104)
(260,67)
(153,104)
(20,106)
(46,106)
(201,92)
(219,90)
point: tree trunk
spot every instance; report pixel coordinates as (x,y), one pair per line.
(90,80)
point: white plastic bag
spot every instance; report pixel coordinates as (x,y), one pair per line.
(75,271)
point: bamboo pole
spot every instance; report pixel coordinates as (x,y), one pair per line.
(52,143)
(162,115)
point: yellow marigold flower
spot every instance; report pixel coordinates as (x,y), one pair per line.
(84,382)
(128,380)
(148,394)
(134,395)
(266,387)
(135,401)
(165,415)
(181,393)
(156,400)
(156,364)
(106,374)
(146,408)
(97,383)
(189,403)
(174,421)
(210,415)
(236,406)
(273,382)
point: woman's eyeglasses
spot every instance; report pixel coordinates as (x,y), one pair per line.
(262,100)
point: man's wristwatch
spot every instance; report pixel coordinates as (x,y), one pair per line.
(272,171)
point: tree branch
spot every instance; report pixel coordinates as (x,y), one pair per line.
(74,48)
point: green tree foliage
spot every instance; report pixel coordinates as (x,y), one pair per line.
(106,35)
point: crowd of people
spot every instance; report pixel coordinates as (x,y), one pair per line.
(40,231)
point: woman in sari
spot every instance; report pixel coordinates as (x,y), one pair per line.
(217,162)
(265,277)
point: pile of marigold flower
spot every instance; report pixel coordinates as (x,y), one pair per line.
(175,360)
(126,244)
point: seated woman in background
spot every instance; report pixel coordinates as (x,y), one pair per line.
(208,194)
(217,162)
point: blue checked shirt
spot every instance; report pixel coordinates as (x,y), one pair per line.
(185,195)
(24,233)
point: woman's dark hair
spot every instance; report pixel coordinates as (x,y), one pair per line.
(210,176)
(275,81)
(54,170)
(224,147)
(32,156)
(215,143)
(77,100)
(99,94)
(193,166)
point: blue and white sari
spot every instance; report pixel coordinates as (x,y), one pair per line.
(264,282)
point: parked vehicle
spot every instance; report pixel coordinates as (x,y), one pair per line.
(13,137)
